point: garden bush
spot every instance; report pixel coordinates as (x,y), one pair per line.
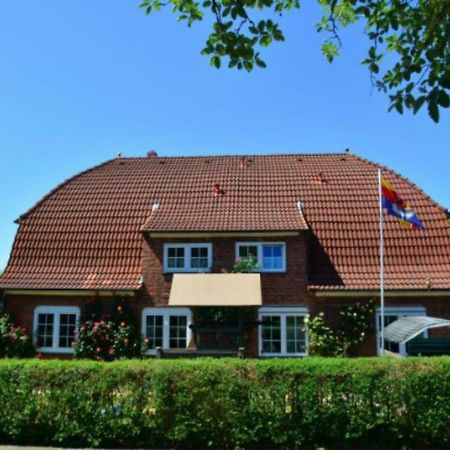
(227,404)
(106,335)
(14,341)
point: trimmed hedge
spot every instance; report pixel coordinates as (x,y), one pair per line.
(227,404)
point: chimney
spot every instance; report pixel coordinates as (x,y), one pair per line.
(152,154)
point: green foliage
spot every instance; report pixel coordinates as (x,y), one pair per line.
(322,338)
(15,342)
(413,34)
(227,404)
(326,339)
(245,265)
(107,335)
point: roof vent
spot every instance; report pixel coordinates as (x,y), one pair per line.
(245,162)
(119,154)
(320,179)
(218,191)
(155,207)
(152,154)
(299,205)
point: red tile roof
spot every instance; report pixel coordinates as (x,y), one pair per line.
(86,234)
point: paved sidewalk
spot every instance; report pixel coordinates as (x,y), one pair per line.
(24,447)
(20,447)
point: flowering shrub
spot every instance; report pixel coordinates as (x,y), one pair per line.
(326,340)
(245,265)
(14,341)
(108,335)
(322,338)
(355,322)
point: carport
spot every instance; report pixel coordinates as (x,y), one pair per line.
(407,330)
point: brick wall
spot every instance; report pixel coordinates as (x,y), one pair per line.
(287,288)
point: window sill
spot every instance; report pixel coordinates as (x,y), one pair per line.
(61,350)
(271,271)
(169,272)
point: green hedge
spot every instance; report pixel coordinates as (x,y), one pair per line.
(227,404)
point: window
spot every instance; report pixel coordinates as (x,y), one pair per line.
(55,328)
(166,327)
(391,314)
(187,257)
(271,256)
(282,331)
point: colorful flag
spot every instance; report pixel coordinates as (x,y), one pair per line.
(397,207)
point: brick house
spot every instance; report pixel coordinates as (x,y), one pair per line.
(164,232)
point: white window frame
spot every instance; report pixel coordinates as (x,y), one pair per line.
(56,311)
(283,312)
(166,313)
(261,245)
(399,311)
(187,257)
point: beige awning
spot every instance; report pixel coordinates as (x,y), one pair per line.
(216,289)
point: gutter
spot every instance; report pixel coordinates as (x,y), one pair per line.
(388,293)
(71,292)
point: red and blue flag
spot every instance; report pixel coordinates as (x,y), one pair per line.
(397,207)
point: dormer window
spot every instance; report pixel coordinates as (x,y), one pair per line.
(187,257)
(270,256)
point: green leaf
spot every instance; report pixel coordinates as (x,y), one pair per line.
(248,65)
(445,81)
(216,62)
(433,109)
(419,103)
(443,99)
(265,40)
(260,63)
(329,50)
(399,106)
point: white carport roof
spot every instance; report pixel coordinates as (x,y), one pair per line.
(408,327)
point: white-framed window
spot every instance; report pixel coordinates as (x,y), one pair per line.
(167,328)
(55,328)
(391,314)
(282,331)
(271,256)
(187,257)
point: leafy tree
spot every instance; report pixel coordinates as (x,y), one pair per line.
(413,33)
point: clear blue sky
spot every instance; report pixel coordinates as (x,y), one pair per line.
(82,80)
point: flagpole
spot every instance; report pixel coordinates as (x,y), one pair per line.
(380,193)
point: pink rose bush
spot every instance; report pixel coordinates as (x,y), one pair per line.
(15,342)
(109,336)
